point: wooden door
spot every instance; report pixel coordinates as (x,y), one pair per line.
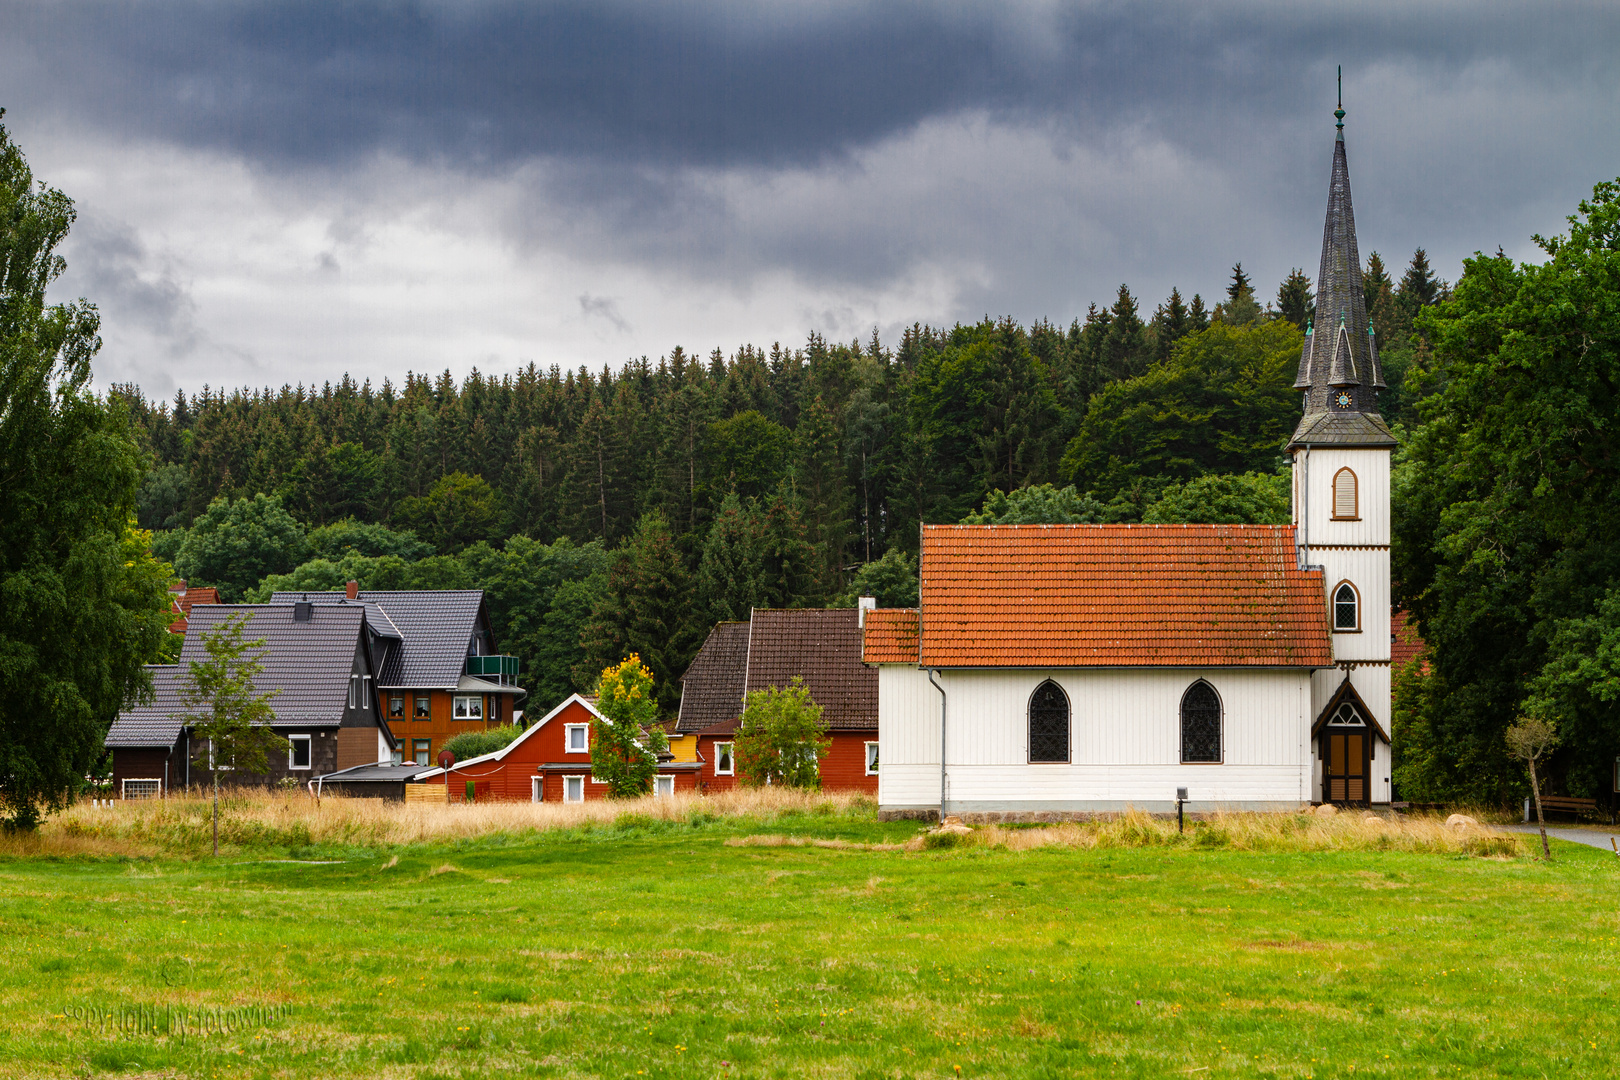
(1345,764)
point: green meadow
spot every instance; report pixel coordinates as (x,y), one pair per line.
(647,948)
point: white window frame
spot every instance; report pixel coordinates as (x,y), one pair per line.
(470,701)
(1333,607)
(365,692)
(292,752)
(663,787)
(568,738)
(872,764)
(580,780)
(353,680)
(726,751)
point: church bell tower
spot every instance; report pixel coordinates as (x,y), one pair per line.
(1341,463)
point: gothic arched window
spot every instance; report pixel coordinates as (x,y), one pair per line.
(1346,607)
(1200,724)
(1049,723)
(1345,504)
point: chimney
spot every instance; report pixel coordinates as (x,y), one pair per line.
(862,606)
(353,589)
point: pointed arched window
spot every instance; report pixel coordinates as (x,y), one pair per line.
(1345,504)
(1200,724)
(1346,608)
(1049,723)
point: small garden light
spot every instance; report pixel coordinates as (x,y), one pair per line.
(1181,798)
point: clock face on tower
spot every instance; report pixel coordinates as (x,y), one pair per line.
(1342,399)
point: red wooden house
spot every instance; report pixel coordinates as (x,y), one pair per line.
(549,762)
(820,645)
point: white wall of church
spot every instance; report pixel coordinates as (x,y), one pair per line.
(1368,571)
(1125,740)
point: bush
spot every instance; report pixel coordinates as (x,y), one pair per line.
(471,744)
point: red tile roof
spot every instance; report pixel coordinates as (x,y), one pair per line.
(891,636)
(1404,644)
(1119,595)
(183,598)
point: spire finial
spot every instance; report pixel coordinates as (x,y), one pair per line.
(1338,114)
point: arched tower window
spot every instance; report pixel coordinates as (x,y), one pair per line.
(1346,607)
(1200,724)
(1345,504)
(1049,723)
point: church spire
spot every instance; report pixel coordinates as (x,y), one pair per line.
(1338,366)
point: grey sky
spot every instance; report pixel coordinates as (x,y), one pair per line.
(282,193)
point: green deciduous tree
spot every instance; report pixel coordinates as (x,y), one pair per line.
(781,737)
(237,543)
(82,605)
(625,746)
(1042,504)
(1223,499)
(222,706)
(1223,403)
(347,535)
(1506,508)
(891,580)
(457,510)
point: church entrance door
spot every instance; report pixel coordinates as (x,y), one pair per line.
(1346,757)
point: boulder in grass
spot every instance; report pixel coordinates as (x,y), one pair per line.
(1326,810)
(953,826)
(1460,821)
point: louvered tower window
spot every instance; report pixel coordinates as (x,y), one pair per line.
(1200,724)
(1049,723)
(1344,496)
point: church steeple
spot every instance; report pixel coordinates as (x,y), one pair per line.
(1339,371)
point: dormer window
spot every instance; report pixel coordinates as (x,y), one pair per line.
(1345,504)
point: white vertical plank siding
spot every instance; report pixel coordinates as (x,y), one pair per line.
(1124,735)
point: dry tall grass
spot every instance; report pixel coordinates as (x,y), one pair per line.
(1258,832)
(183,824)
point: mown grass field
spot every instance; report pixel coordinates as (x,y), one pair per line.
(647,947)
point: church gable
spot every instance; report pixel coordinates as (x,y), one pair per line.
(1116,596)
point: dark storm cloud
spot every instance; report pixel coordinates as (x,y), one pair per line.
(724,84)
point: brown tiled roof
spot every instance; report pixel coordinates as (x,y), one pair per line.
(1119,595)
(712,688)
(823,646)
(1404,643)
(891,636)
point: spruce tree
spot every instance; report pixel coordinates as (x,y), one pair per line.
(1125,352)
(790,562)
(1171,322)
(820,478)
(1419,287)
(1295,301)
(1197,314)
(1239,286)
(730,577)
(1374,279)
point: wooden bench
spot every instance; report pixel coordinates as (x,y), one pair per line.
(1565,804)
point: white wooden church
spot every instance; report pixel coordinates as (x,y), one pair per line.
(1086,669)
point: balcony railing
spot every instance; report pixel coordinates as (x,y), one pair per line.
(500,668)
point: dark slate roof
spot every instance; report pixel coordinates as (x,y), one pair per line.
(151,725)
(823,645)
(370,774)
(1341,350)
(434,626)
(712,688)
(309,663)
(1343,429)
